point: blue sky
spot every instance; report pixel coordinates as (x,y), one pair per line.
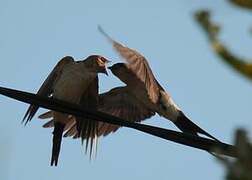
(36,34)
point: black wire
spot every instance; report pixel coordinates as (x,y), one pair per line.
(65,107)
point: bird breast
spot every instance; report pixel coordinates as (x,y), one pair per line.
(72,83)
(167,107)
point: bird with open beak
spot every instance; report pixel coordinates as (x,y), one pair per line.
(140,99)
(74,82)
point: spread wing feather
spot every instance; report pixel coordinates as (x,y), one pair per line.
(47,86)
(138,64)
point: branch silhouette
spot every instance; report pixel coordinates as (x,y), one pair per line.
(239,64)
(246,4)
(178,137)
(240,168)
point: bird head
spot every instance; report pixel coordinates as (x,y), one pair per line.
(117,68)
(98,63)
(121,71)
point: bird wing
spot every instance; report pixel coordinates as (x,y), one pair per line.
(118,102)
(47,86)
(87,129)
(138,64)
(121,103)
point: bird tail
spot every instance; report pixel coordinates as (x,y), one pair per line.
(57,137)
(187,126)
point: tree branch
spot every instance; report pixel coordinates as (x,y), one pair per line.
(211,29)
(241,168)
(247,4)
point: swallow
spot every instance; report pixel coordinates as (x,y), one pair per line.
(144,87)
(74,82)
(140,99)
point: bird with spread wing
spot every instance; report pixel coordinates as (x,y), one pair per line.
(140,99)
(74,82)
(137,75)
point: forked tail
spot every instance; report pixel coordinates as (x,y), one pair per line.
(187,126)
(57,137)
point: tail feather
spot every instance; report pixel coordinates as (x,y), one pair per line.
(57,137)
(187,126)
(87,130)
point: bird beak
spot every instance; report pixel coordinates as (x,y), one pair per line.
(104,71)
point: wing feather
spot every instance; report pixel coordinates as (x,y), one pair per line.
(121,103)
(138,64)
(47,86)
(87,129)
